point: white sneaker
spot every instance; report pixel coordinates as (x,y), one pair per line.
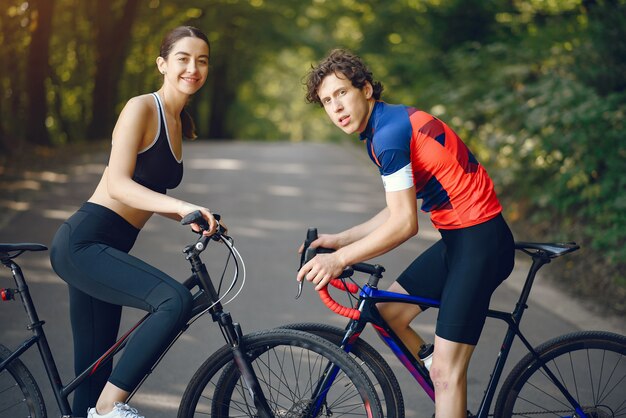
(120,410)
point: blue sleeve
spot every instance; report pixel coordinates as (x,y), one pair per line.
(392,141)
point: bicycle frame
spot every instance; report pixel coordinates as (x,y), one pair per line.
(370,295)
(205,300)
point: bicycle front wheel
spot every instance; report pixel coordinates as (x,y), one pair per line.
(591,365)
(19,394)
(370,360)
(289,365)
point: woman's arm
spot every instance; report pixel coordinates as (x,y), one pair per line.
(128,136)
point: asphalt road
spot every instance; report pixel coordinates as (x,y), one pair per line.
(268,194)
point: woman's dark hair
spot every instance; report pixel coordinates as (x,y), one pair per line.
(176,34)
(340,61)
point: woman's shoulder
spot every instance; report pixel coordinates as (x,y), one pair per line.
(142,105)
(139,112)
(145,101)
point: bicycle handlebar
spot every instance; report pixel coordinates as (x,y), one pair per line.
(200,245)
(196,217)
(335,306)
(308,253)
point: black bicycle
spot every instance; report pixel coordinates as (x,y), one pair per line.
(273,373)
(581,374)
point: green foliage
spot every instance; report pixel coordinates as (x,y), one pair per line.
(544,110)
(600,58)
(536,87)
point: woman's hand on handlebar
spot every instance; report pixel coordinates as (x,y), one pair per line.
(187,208)
(321,269)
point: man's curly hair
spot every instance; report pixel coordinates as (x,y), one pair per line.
(341,62)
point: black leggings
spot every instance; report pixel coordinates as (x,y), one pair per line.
(462,270)
(90,252)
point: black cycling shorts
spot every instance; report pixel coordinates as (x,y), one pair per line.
(462,270)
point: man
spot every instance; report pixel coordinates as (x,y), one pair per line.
(418,156)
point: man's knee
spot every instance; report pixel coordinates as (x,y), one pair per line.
(446,374)
(450,363)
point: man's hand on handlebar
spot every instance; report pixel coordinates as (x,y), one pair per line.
(321,269)
(319,263)
(330,241)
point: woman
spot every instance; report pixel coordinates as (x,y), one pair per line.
(90,250)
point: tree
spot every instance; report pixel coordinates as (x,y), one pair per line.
(14,38)
(38,71)
(113,29)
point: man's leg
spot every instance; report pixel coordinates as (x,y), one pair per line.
(399,317)
(425,277)
(449,375)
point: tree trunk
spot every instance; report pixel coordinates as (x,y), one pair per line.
(221,98)
(37,71)
(223,83)
(112,40)
(4,143)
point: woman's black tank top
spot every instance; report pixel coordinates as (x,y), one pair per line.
(157,167)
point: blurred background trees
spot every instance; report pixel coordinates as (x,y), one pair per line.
(536,87)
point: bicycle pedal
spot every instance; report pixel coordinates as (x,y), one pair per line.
(7,294)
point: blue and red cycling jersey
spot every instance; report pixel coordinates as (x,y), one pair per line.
(412,147)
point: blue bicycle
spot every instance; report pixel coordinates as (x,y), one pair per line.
(581,374)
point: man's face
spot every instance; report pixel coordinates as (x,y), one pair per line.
(347,106)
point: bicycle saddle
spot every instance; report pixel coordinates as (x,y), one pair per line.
(551,249)
(10,251)
(24,246)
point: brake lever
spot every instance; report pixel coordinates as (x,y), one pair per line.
(307,254)
(300,286)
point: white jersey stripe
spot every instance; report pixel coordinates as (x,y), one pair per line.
(400,180)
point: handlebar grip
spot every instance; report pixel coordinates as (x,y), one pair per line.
(336,307)
(308,253)
(196,217)
(341,285)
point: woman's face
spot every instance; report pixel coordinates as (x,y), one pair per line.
(187,64)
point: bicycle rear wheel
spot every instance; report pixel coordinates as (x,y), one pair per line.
(288,365)
(19,393)
(591,365)
(377,369)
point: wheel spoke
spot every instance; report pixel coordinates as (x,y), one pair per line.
(19,393)
(589,365)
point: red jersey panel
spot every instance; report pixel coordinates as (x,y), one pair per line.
(455,189)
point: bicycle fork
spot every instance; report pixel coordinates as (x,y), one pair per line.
(234,336)
(318,400)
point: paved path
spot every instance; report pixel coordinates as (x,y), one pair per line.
(268,194)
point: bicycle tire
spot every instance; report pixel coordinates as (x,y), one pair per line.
(216,389)
(590,364)
(377,369)
(19,394)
